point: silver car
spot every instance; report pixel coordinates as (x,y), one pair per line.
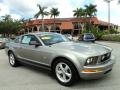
(66,59)
(3,41)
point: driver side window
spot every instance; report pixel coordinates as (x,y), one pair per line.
(28,38)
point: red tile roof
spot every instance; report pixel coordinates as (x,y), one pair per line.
(66,23)
(60,20)
(103,23)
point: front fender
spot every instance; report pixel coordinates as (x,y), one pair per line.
(72,58)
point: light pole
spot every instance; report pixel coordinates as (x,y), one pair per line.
(108,1)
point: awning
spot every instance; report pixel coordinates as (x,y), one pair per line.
(66,25)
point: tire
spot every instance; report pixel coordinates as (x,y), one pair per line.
(67,75)
(13,60)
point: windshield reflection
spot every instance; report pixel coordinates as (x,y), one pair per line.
(49,39)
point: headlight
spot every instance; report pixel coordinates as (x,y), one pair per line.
(91,61)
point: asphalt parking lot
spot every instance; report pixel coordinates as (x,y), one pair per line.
(30,78)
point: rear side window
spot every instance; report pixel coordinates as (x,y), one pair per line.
(17,40)
(27,38)
(89,36)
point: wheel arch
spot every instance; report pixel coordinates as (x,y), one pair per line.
(9,52)
(61,57)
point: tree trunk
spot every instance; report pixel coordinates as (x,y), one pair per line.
(79,28)
(90,23)
(85,20)
(54,24)
(43,25)
(79,25)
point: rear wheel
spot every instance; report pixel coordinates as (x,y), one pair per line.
(65,72)
(13,60)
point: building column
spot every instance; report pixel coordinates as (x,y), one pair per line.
(82,26)
(49,27)
(23,30)
(38,28)
(72,32)
(32,29)
(61,31)
(28,30)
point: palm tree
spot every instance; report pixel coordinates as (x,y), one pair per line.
(91,12)
(7,17)
(43,13)
(79,13)
(54,13)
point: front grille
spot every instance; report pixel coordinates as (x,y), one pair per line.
(105,57)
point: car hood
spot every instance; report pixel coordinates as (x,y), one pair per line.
(89,49)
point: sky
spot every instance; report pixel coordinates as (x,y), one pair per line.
(28,8)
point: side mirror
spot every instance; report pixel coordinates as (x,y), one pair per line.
(34,43)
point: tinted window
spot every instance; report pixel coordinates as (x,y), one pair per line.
(89,36)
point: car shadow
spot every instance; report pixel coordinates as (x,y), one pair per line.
(95,83)
(80,84)
(38,70)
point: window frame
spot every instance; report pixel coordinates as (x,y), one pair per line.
(30,40)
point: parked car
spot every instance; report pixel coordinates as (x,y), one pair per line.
(3,42)
(87,37)
(69,36)
(66,59)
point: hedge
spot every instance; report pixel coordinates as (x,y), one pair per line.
(111,37)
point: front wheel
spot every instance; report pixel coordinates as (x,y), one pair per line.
(65,72)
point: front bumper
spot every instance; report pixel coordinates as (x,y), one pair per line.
(95,72)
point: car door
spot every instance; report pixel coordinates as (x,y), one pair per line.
(40,54)
(16,45)
(27,51)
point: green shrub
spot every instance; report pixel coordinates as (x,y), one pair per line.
(112,31)
(111,37)
(101,34)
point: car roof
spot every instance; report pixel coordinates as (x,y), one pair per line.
(88,33)
(40,33)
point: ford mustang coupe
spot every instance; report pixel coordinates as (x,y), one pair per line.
(68,60)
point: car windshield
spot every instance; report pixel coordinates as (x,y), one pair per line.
(89,36)
(49,39)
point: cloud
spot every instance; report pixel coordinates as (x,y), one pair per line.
(28,8)
(16,16)
(4,9)
(102,13)
(24,8)
(48,3)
